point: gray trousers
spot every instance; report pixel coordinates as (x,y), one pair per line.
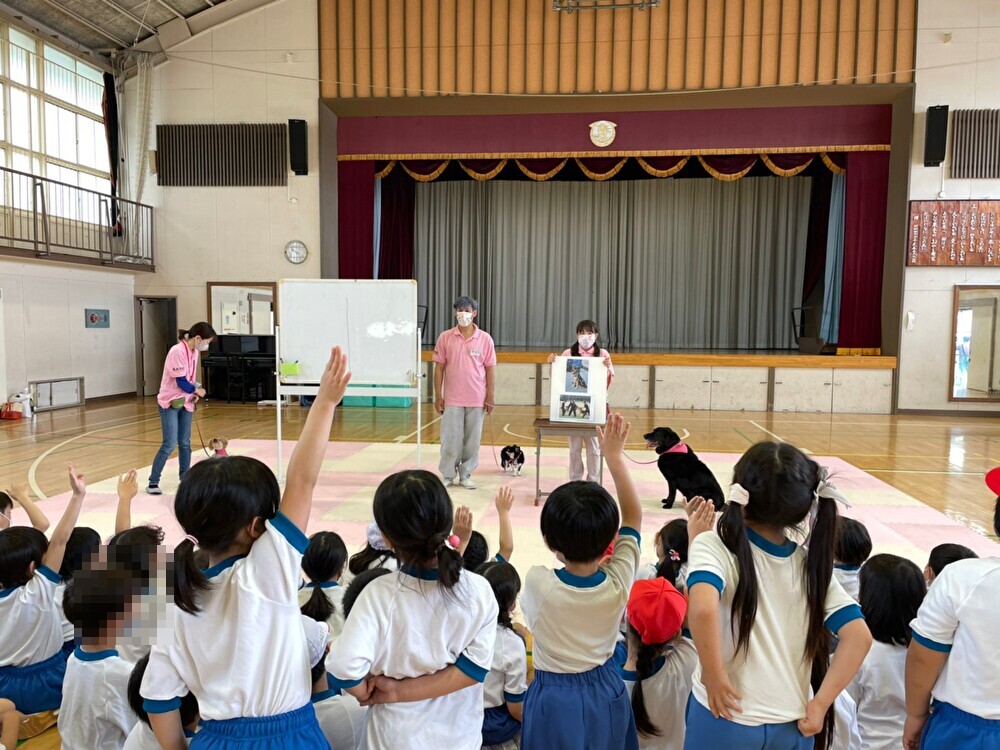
(461,434)
(576,445)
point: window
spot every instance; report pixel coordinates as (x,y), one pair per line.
(51,115)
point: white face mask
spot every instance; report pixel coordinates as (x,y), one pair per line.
(464,318)
(586,340)
(202,347)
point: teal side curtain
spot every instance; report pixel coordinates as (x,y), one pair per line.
(833,281)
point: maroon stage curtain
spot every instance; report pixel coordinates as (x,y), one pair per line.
(601,167)
(541,169)
(424,170)
(356,219)
(399,194)
(816,238)
(483,169)
(729,167)
(662,166)
(787,165)
(864,251)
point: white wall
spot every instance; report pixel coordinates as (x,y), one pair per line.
(260,67)
(964,74)
(44,333)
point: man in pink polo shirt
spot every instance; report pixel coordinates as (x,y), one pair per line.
(463,388)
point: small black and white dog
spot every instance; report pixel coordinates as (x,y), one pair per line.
(683,470)
(512,459)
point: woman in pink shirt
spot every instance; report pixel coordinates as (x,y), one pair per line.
(179,390)
(586,346)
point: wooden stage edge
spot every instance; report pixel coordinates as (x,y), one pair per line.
(710,359)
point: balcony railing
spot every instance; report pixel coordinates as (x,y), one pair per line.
(48,219)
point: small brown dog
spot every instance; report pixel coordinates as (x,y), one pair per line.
(218,445)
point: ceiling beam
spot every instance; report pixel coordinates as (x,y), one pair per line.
(130,16)
(171,8)
(83,21)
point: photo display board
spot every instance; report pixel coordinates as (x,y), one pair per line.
(579,390)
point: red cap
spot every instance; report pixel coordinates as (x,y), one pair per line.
(656,610)
(993,481)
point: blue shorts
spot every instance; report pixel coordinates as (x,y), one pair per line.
(37,687)
(295,730)
(705,731)
(588,710)
(499,726)
(952,727)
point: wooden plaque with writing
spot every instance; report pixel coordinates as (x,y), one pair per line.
(954,233)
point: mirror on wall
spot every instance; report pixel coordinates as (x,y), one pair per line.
(241,308)
(975,374)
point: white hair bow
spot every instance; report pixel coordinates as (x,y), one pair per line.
(825,489)
(375,538)
(738,495)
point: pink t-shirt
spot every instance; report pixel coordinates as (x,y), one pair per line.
(465,362)
(590,353)
(181,363)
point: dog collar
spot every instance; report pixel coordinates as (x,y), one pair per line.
(679,448)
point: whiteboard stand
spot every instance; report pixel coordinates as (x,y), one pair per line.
(308,389)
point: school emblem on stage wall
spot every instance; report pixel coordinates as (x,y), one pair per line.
(602,133)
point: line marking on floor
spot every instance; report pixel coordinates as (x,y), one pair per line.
(923,471)
(778,437)
(32,471)
(401,438)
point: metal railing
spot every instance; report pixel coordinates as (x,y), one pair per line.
(50,219)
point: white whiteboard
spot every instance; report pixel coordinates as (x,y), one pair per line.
(374,322)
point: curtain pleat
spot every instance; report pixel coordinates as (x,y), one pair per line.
(671,263)
(395,257)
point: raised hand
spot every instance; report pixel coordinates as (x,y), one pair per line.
(76,482)
(19,491)
(463,526)
(128,485)
(701,516)
(336,376)
(504,500)
(613,436)
(552,359)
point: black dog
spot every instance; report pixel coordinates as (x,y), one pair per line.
(512,459)
(682,469)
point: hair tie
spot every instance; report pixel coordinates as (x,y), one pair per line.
(191,539)
(674,557)
(374,537)
(826,489)
(453,542)
(738,495)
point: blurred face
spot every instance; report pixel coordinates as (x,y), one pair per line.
(586,338)
(202,344)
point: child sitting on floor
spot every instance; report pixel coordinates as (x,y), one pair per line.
(82,544)
(944,555)
(141,737)
(324,563)
(474,548)
(852,547)
(507,682)
(19,493)
(892,590)
(95,713)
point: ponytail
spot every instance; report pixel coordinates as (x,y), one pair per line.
(188,578)
(819,570)
(318,607)
(450,565)
(644,665)
(202,329)
(365,559)
(732,530)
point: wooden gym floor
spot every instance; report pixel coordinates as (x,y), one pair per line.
(937,460)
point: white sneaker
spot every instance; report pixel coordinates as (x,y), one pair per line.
(449,482)
(468,483)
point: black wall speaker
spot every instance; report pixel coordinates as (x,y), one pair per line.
(298,146)
(935,135)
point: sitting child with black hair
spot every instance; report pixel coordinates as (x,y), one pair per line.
(507,683)
(141,737)
(140,549)
(32,663)
(671,547)
(375,554)
(95,713)
(851,548)
(944,555)
(660,663)
(473,545)
(577,698)
(892,590)
(324,563)
(19,494)
(357,585)
(83,543)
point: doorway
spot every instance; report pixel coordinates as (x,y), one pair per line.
(155,333)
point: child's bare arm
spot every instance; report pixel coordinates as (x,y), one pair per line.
(613,438)
(53,558)
(128,488)
(35,516)
(168,730)
(307,458)
(504,502)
